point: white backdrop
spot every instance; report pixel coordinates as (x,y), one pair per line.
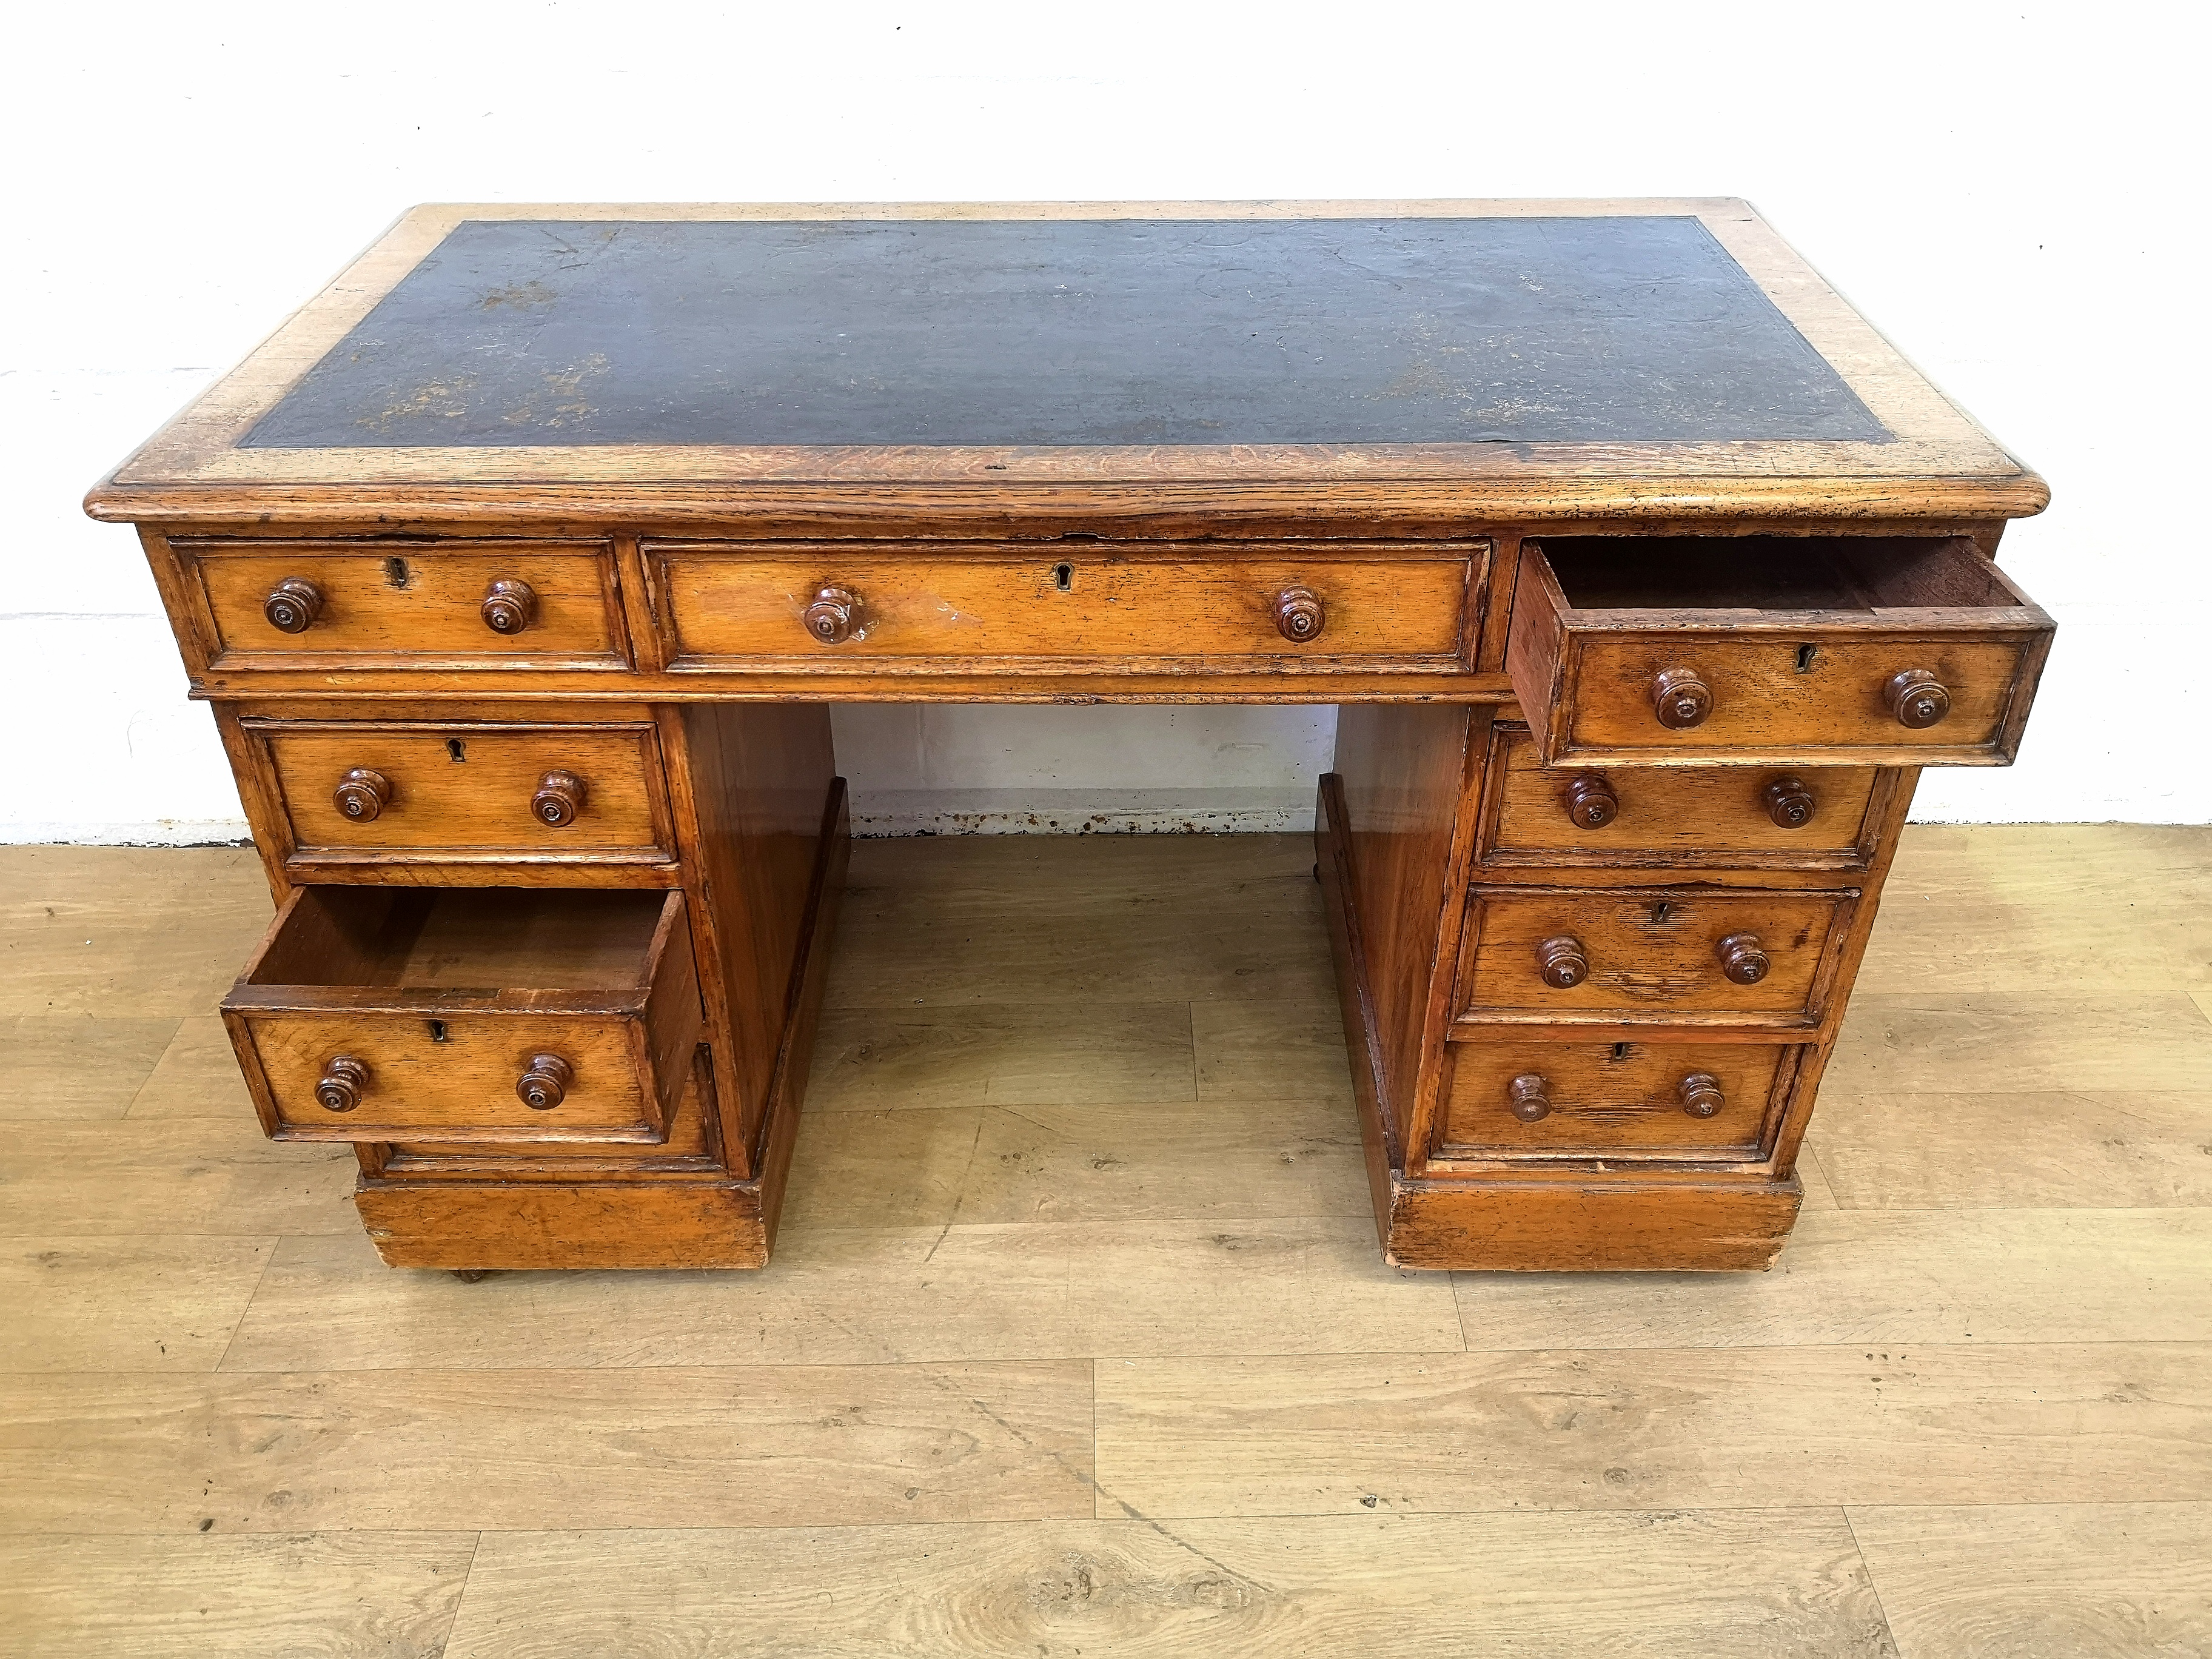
(2013,193)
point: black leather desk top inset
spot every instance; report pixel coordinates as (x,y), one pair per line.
(1035,332)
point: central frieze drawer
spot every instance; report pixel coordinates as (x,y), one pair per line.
(1066,603)
(1901,651)
(1651,956)
(469,1015)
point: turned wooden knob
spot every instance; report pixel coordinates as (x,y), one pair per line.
(1918,698)
(560,797)
(509,607)
(1531,1097)
(343,1081)
(1591,802)
(1680,697)
(833,616)
(293,605)
(1298,615)
(546,1084)
(1742,959)
(362,795)
(1701,1095)
(1787,802)
(1564,964)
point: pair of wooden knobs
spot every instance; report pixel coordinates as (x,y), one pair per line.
(1682,698)
(1593,804)
(1529,1097)
(545,1084)
(1565,965)
(363,794)
(294,604)
(833,614)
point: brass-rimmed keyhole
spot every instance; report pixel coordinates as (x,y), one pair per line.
(1063,578)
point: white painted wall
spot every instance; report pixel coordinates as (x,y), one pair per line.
(2013,192)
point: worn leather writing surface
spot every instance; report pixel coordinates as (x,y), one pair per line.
(1076,332)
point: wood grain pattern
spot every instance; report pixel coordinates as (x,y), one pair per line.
(1648,1221)
(419,992)
(870,1296)
(191,1176)
(1653,954)
(125,1305)
(1610,1098)
(1402,1586)
(1672,817)
(1656,1429)
(1793,647)
(475,802)
(945,609)
(390,1594)
(2108,1581)
(2005,1149)
(404,603)
(752,785)
(459,1451)
(80,1067)
(1898,1279)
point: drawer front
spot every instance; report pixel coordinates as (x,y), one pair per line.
(688,1148)
(1805,818)
(458,604)
(422,1074)
(505,791)
(1066,603)
(1764,703)
(1894,651)
(382,1013)
(1511,1096)
(1650,955)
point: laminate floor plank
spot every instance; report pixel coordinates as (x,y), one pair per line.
(377,1596)
(125,1305)
(1147,956)
(1269,1052)
(1172,1161)
(468,1450)
(1034,1291)
(172,1177)
(107,930)
(1897,1278)
(1109,1053)
(1774,1585)
(81,1067)
(2203,1001)
(2022,1043)
(2027,1150)
(2020,907)
(2104,1581)
(197,1076)
(1658,1429)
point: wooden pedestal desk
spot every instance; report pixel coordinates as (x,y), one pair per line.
(522,566)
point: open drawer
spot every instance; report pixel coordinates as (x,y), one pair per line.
(1902,651)
(468,1014)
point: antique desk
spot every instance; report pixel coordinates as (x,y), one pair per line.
(522,566)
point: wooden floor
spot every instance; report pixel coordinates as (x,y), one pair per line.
(1077,1340)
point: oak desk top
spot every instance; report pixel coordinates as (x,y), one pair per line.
(1514,359)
